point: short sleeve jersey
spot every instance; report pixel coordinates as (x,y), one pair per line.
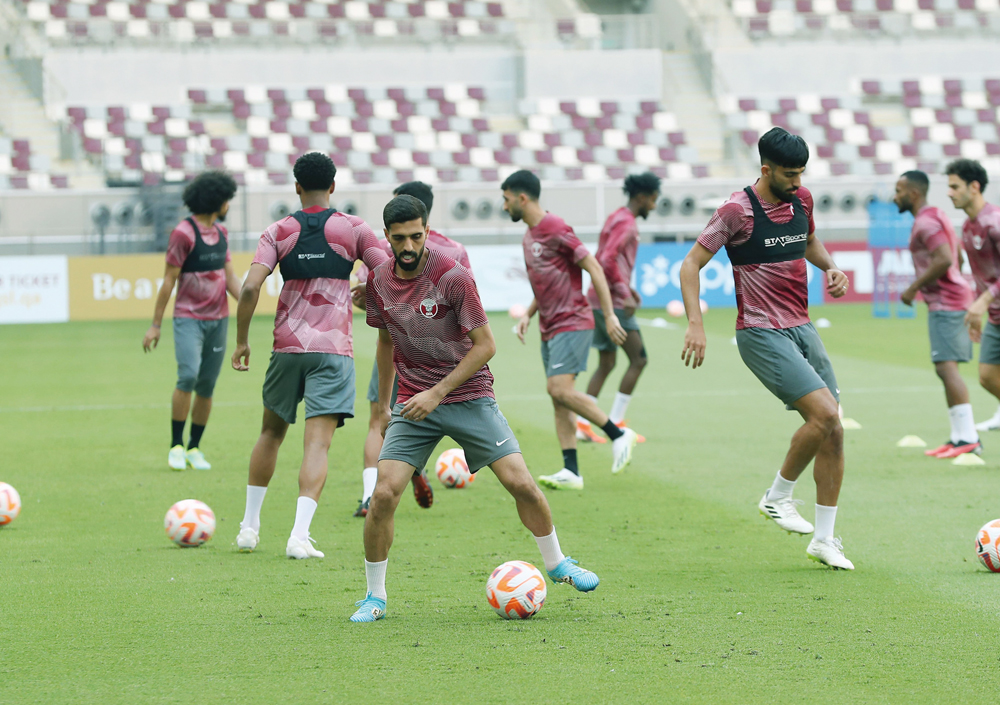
(314,315)
(429,318)
(551,251)
(981,238)
(931,230)
(435,241)
(772,295)
(616,250)
(200,295)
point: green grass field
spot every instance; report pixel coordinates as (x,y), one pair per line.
(700,600)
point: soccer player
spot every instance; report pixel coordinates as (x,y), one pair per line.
(198,263)
(981,238)
(422,491)
(768,232)
(555,258)
(937,263)
(433,330)
(315,249)
(616,251)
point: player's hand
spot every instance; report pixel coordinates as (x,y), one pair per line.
(151,339)
(615,330)
(420,406)
(637,299)
(384,415)
(974,319)
(522,328)
(836,283)
(358,295)
(693,353)
(908,295)
(241,357)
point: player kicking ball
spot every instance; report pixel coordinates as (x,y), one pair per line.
(433,330)
(768,232)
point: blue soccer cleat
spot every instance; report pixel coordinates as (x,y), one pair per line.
(371,609)
(569,572)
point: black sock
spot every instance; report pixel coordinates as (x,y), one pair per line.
(176,433)
(196,432)
(569,460)
(614,433)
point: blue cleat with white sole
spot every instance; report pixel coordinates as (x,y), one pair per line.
(369,609)
(569,572)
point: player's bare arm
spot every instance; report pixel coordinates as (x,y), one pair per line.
(233,283)
(816,254)
(152,337)
(974,316)
(483,349)
(386,377)
(590,265)
(693,353)
(940,263)
(358,295)
(522,325)
(249,295)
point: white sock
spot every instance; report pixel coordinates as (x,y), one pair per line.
(582,421)
(304,510)
(375,572)
(963,427)
(619,407)
(255,500)
(368,478)
(825,519)
(781,488)
(552,555)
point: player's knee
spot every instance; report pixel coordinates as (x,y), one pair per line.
(986,381)
(639,363)
(606,364)
(558,391)
(384,498)
(186,381)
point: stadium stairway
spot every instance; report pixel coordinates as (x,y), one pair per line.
(686,96)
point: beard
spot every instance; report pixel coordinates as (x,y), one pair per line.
(222,217)
(903,207)
(410,266)
(785,196)
(515,216)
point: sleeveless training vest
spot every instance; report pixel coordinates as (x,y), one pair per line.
(203,257)
(312,257)
(772,242)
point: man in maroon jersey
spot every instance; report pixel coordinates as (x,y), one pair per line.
(937,265)
(433,331)
(312,358)
(616,250)
(555,259)
(768,232)
(981,237)
(198,262)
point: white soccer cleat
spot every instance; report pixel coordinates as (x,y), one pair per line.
(247,539)
(784,514)
(622,448)
(563,480)
(829,552)
(177,460)
(299,548)
(196,459)
(990,424)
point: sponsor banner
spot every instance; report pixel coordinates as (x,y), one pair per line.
(34,289)
(501,276)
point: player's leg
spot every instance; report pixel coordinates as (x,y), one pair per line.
(636,352)
(607,356)
(989,370)
(187,351)
(568,478)
(950,345)
(560,388)
(213,352)
(263,460)
(373,445)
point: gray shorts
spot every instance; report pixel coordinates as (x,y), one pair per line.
(566,353)
(950,340)
(790,362)
(601,340)
(324,380)
(989,347)
(476,425)
(200,348)
(373,387)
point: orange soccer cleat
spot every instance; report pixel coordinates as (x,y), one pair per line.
(584,432)
(960,448)
(639,437)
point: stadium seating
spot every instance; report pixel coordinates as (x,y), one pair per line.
(20,169)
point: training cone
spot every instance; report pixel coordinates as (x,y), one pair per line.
(911,442)
(850,424)
(968,459)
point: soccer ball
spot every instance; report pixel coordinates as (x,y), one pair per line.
(10,504)
(452,470)
(516,590)
(189,523)
(988,546)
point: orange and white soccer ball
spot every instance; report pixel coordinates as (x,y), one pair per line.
(516,590)
(988,545)
(452,470)
(10,504)
(189,523)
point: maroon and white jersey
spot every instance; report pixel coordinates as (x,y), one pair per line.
(314,315)
(931,230)
(772,295)
(616,250)
(429,318)
(435,241)
(981,238)
(200,295)
(551,253)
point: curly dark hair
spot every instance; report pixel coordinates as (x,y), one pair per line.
(314,171)
(969,170)
(208,192)
(641,183)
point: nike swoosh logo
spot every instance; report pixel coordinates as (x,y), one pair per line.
(556,367)
(219,349)
(500,443)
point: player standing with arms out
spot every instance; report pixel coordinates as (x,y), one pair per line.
(198,262)
(937,262)
(312,357)
(768,232)
(981,238)
(433,330)
(555,258)
(422,491)
(616,250)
